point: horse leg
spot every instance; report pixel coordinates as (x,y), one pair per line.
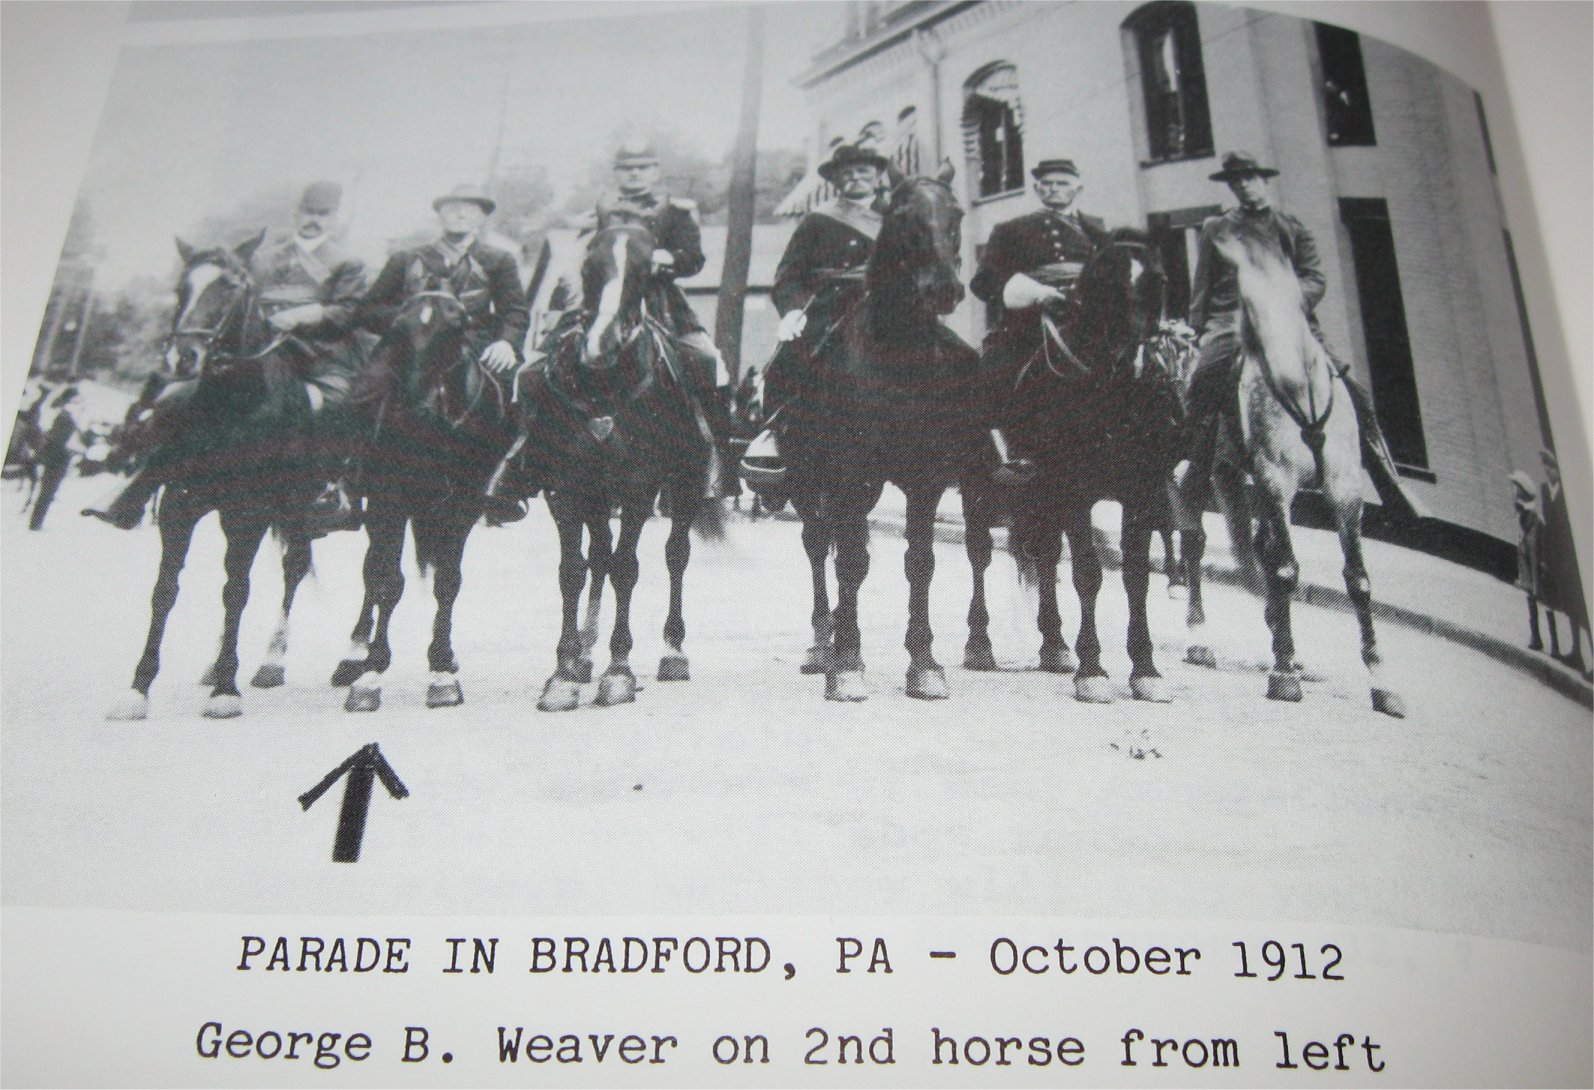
(1197,651)
(371,574)
(600,559)
(618,683)
(563,690)
(1173,564)
(243,544)
(443,690)
(177,532)
(384,575)
(1283,575)
(926,679)
(1090,683)
(673,666)
(1043,545)
(1359,588)
(817,539)
(1145,683)
(295,566)
(848,517)
(977,652)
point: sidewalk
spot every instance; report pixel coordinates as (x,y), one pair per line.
(1410,588)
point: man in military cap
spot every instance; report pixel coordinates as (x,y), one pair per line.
(308,289)
(1030,263)
(1215,314)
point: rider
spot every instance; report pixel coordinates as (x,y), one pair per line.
(308,288)
(678,252)
(485,279)
(825,257)
(1032,261)
(1215,313)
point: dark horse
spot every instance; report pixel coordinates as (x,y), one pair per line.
(243,455)
(885,397)
(440,430)
(1101,419)
(613,426)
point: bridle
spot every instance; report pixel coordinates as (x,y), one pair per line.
(1052,335)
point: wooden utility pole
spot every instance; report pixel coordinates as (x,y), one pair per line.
(739,215)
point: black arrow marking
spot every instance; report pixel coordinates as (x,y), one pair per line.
(362,766)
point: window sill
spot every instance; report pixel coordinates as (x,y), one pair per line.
(1147,164)
(994,198)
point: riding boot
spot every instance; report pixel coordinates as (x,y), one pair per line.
(1011,467)
(126,509)
(1379,461)
(334,509)
(1195,484)
(507,490)
(1535,641)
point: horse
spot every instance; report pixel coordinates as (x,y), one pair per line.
(242,456)
(884,397)
(613,426)
(438,435)
(1101,419)
(1297,428)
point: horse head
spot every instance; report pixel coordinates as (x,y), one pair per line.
(920,249)
(614,280)
(1118,303)
(217,307)
(1276,324)
(424,342)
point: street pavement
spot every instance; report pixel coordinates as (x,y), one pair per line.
(743,791)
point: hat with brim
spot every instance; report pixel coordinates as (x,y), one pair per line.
(1054,166)
(466,194)
(850,155)
(321,197)
(636,155)
(1238,164)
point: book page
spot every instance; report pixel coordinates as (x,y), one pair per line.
(1299,785)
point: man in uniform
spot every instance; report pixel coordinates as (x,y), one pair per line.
(824,258)
(308,289)
(1032,262)
(1215,314)
(678,252)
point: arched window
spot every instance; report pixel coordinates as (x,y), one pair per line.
(905,148)
(1168,45)
(993,124)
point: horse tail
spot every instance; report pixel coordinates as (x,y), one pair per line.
(710,520)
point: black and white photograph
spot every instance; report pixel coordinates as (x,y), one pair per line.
(884,457)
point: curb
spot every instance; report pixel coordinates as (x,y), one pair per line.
(1535,664)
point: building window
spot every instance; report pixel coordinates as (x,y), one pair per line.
(905,149)
(1168,44)
(1394,379)
(1176,235)
(993,124)
(1348,113)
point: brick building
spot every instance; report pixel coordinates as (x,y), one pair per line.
(1384,157)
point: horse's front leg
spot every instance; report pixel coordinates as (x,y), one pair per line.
(618,683)
(674,666)
(926,679)
(372,571)
(449,535)
(977,521)
(295,566)
(848,515)
(177,533)
(1145,683)
(1283,575)
(1197,651)
(243,544)
(1360,590)
(817,538)
(1040,542)
(563,689)
(1090,683)
(384,584)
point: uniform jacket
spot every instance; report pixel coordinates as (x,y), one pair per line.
(486,280)
(1215,293)
(823,243)
(673,224)
(289,277)
(1027,243)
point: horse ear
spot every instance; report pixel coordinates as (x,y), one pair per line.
(946,173)
(246,250)
(185,251)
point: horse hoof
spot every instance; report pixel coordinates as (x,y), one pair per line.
(444,692)
(1389,704)
(269,676)
(364,696)
(927,683)
(1153,690)
(818,661)
(1201,655)
(559,695)
(583,672)
(1060,661)
(1093,690)
(224,706)
(130,709)
(347,672)
(981,659)
(846,685)
(675,668)
(1284,687)
(616,688)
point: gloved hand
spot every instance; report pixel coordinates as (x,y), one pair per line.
(663,259)
(791,326)
(294,317)
(499,356)
(1024,291)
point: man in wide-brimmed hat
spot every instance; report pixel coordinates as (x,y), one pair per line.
(1215,314)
